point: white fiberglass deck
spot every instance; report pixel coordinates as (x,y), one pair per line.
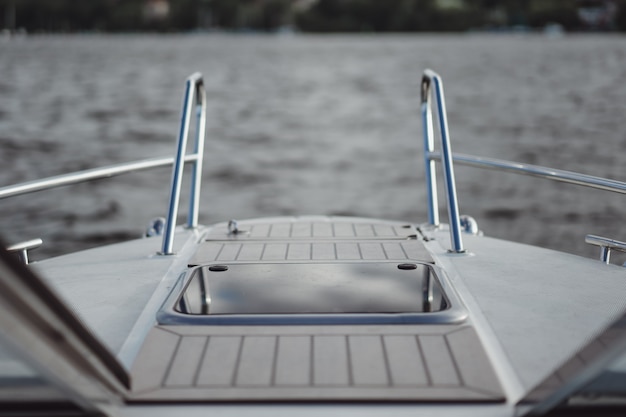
(526,313)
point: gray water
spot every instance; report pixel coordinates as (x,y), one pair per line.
(312,125)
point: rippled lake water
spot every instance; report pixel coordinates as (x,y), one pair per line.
(312,125)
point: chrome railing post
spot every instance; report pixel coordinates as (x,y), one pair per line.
(22,248)
(606,246)
(431,77)
(196,176)
(429,163)
(193,86)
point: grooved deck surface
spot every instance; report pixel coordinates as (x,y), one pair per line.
(324,228)
(314,363)
(308,241)
(408,362)
(210,252)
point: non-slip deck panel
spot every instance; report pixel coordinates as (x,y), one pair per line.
(227,252)
(302,240)
(314,363)
(322,229)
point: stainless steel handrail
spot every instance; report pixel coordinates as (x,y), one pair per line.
(606,246)
(430,77)
(86,175)
(446,157)
(536,171)
(194,95)
(22,248)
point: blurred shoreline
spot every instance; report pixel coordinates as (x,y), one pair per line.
(314,16)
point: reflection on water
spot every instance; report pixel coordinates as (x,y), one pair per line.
(311,125)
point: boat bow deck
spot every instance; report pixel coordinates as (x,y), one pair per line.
(314,362)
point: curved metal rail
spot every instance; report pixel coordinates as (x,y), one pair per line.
(195,97)
(559,175)
(430,77)
(22,248)
(606,246)
(86,175)
(446,157)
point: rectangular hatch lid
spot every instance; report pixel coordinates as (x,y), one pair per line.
(312,288)
(318,293)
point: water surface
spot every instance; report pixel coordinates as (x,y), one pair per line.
(312,125)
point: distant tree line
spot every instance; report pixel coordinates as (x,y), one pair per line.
(95,15)
(299,15)
(462,15)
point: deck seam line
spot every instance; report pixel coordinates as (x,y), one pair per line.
(219,252)
(454,364)
(420,351)
(196,375)
(233,381)
(349,362)
(171,362)
(387,362)
(274,361)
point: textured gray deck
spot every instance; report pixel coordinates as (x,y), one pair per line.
(301,240)
(209,252)
(314,363)
(323,228)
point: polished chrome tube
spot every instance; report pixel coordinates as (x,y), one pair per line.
(537,171)
(177,171)
(446,157)
(606,246)
(22,248)
(86,175)
(429,78)
(429,163)
(196,176)
(194,94)
(193,86)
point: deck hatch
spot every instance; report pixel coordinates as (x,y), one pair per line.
(334,293)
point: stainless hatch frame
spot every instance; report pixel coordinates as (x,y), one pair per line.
(454,313)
